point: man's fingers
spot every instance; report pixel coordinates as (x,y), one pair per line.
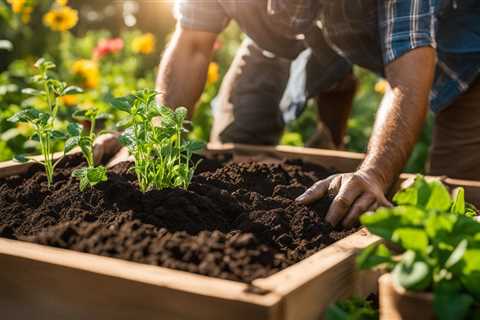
(315,192)
(360,206)
(121,156)
(98,153)
(341,204)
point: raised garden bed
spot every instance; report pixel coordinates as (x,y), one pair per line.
(236,223)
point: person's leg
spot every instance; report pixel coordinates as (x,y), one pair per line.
(334,107)
(455,150)
(248,102)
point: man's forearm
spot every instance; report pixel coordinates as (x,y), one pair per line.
(183,69)
(401,115)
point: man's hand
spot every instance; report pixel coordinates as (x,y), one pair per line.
(397,126)
(354,194)
(106,146)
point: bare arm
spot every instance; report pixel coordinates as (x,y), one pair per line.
(399,121)
(401,114)
(184,66)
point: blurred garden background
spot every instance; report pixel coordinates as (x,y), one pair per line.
(111,48)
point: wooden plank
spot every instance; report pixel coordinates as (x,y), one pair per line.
(309,286)
(341,161)
(49,283)
(11,168)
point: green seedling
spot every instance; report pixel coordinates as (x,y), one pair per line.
(154,137)
(439,241)
(43,122)
(91,175)
(352,309)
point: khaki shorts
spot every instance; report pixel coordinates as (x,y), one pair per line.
(248,102)
(455,150)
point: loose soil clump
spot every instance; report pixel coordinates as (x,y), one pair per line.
(236,221)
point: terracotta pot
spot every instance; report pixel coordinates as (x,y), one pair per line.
(396,303)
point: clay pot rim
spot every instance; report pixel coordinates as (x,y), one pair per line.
(388,280)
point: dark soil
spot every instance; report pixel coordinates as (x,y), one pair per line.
(236,221)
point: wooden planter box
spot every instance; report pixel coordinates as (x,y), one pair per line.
(40,282)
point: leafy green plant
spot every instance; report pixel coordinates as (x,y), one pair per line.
(154,137)
(91,175)
(43,123)
(352,309)
(439,240)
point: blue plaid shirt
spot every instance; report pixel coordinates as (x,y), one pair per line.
(369,33)
(373,33)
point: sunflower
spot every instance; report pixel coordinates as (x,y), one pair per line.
(61,18)
(88,71)
(144,44)
(17,5)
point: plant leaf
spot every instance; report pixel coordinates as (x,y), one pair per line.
(82,115)
(71,143)
(439,197)
(74,129)
(448,305)
(122,103)
(458,205)
(27,115)
(56,135)
(32,92)
(72,90)
(21,158)
(411,239)
(373,256)
(457,254)
(411,273)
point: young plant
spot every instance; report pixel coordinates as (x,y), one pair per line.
(439,240)
(44,122)
(352,309)
(154,137)
(91,175)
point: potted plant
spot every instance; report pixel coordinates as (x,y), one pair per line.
(436,273)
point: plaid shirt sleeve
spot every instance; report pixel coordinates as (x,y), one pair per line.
(203,15)
(405,25)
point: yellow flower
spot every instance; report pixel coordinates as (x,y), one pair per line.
(26,15)
(381,86)
(61,2)
(88,71)
(213,73)
(69,100)
(61,18)
(144,44)
(17,5)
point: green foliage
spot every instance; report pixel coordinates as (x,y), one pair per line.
(352,309)
(153,135)
(43,123)
(439,238)
(91,175)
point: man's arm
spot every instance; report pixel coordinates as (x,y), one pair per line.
(397,126)
(184,66)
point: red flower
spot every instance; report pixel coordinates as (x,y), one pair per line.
(107,46)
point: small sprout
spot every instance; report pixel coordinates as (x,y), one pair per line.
(90,175)
(43,123)
(154,136)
